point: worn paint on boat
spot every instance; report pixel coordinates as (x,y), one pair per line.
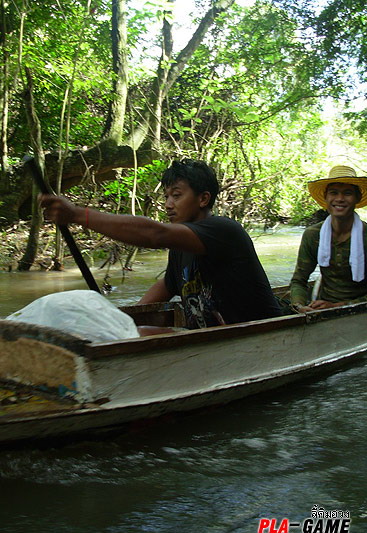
(94,386)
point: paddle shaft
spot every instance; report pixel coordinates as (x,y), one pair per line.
(64,230)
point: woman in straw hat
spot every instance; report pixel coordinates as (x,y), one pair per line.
(338,245)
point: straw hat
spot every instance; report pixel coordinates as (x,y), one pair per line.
(338,174)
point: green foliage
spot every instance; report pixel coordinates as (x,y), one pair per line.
(252,69)
(265,175)
(336,33)
(247,101)
(59,37)
(116,195)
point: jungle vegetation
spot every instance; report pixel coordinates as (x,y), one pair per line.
(105,93)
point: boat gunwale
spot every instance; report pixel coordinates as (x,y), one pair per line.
(12,331)
(217,333)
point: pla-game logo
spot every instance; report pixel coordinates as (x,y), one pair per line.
(321,521)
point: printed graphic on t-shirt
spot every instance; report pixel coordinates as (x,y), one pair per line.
(198,303)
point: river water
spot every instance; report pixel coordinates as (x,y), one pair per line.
(275,455)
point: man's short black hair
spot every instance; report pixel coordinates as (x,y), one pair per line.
(198,175)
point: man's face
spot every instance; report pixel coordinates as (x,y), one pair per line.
(183,204)
(341,199)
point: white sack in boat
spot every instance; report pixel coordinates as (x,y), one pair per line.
(81,312)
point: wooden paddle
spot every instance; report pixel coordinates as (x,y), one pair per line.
(65,232)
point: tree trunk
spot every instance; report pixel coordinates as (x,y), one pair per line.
(159,84)
(4,99)
(65,128)
(31,250)
(8,86)
(115,122)
(36,140)
(169,71)
(102,160)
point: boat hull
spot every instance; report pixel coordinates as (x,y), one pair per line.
(122,382)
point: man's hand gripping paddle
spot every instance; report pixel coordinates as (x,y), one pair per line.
(65,232)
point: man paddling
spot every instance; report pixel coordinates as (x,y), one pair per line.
(212,262)
(338,245)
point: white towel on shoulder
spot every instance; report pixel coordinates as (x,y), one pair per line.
(356,256)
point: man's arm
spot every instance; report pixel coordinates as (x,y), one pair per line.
(157,293)
(306,264)
(299,288)
(136,230)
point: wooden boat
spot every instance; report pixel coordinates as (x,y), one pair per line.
(55,384)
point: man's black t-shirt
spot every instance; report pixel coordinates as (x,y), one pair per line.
(227,284)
